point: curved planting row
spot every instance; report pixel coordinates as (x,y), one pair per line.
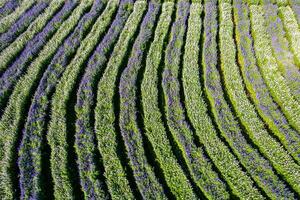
(280,159)
(31,149)
(12,119)
(57,134)
(154,127)
(256,165)
(107,134)
(86,142)
(124,99)
(198,163)
(292,31)
(30,51)
(280,47)
(148,185)
(9,53)
(210,139)
(8,8)
(19,26)
(7,21)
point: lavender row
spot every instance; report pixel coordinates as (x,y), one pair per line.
(155,131)
(105,119)
(292,29)
(30,148)
(261,96)
(258,167)
(10,77)
(85,135)
(8,8)
(280,47)
(7,21)
(147,183)
(13,118)
(200,166)
(23,22)
(11,52)
(58,129)
(281,161)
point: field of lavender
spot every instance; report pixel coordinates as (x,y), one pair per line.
(136,99)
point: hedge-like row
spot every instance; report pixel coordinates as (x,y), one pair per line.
(7,21)
(13,116)
(86,142)
(281,50)
(108,136)
(154,127)
(280,159)
(8,8)
(18,67)
(58,128)
(21,24)
(33,135)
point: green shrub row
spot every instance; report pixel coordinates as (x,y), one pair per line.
(279,158)
(7,21)
(154,127)
(57,132)
(13,116)
(10,52)
(104,112)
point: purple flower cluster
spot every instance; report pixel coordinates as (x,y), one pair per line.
(17,68)
(250,158)
(85,135)
(8,7)
(280,46)
(147,183)
(30,149)
(22,23)
(170,82)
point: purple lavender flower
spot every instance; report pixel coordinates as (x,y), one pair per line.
(17,68)
(31,146)
(258,166)
(22,23)
(8,8)
(147,183)
(85,135)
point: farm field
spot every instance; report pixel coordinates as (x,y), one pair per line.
(136,99)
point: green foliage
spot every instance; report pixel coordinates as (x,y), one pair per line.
(13,115)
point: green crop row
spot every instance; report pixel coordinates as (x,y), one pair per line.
(154,127)
(14,48)
(292,31)
(279,158)
(6,22)
(57,132)
(104,112)
(13,118)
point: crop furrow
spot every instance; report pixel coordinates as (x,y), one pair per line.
(62,99)
(12,120)
(153,125)
(7,21)
(281,49)
(258,90)
(8,8)
(21,25)
(200,165)
(110,141)
(31,146)
(86,142)
(15,70)
(144,173)
(270,148)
